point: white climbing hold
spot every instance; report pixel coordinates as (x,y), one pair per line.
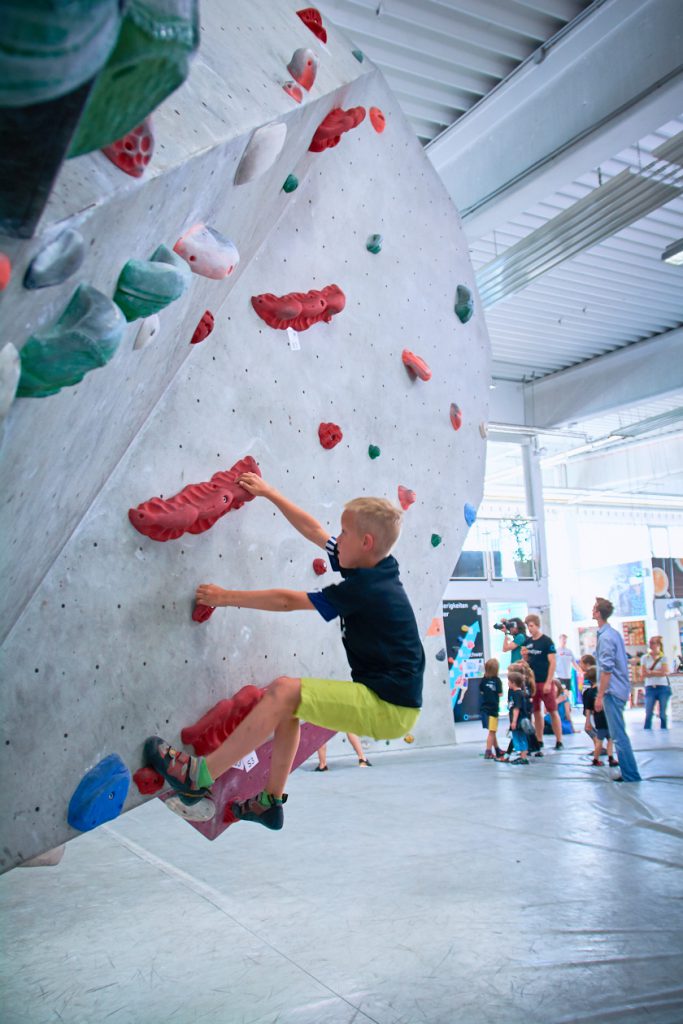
(261,152)
(149,328)
(10,371)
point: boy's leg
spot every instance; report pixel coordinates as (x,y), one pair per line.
(188,774)
(277,705)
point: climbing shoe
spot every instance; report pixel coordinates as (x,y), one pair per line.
(264,808)
(178,769)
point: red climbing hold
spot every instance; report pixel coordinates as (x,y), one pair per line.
(203,328)
(5,271)
(330,435)
(319,566)
(197,507)
(202,612)
(148,781)
(312,19)
(293,90)
(332,127)
(299,310)
(415,366)
(134,151)
(303,67)
(406,497)
(456,416)
(216,725)
(377,119)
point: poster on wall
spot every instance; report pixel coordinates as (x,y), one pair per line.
(465,653)
(623,585)
(667,577)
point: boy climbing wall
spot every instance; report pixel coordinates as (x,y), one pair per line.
(382,643)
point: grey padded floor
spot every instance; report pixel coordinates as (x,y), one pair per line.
(432,888)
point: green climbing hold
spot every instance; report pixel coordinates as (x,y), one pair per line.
(359,55)
(150,60)
(374,452)
(436,540)
(291,183)
(86,336)
(374,244)
(464,304)
(145,287)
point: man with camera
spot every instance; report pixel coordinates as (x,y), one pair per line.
(514,637)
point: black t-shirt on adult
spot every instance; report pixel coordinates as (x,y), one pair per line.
(537,656)
(379,631)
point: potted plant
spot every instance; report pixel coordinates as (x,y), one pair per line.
(520,529)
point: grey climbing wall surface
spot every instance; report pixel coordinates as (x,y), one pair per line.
(99,648)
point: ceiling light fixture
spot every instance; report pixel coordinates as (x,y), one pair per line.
(628,197)
(673,253)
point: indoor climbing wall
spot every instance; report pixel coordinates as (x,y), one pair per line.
(184,339)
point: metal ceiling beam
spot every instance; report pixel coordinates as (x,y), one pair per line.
(495,166)
(633,374)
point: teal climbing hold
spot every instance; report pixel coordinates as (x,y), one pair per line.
(374,452)
(464,304)
(470,513)
(100,795)
(436,540)
(359,55)
(145,287)
(374,244)
(86,336)
(150,60)
(291,183)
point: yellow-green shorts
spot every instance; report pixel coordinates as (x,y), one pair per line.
(351,707)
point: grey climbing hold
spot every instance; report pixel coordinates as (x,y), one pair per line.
(261,152)
(56,261)
(149,328)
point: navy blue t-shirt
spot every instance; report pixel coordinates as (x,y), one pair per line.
(378,628)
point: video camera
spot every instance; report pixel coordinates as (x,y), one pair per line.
(504,624)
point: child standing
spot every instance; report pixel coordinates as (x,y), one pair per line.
(490,692)
(596,721)
(382,642)
(519,707)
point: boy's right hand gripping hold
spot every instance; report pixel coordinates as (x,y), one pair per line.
(256,485)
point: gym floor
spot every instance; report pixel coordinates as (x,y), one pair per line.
(432,888)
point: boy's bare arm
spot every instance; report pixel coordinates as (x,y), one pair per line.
(307,526)
(279,600)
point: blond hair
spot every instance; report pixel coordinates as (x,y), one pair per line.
(532,617)
(379,518)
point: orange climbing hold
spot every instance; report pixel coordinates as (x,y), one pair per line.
(148,781)
(303,67)
(133,152)
(377,119)
(203,328)
(5,271)
(415,365)
(319,566)
(456,416)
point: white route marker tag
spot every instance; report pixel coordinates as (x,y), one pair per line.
(247,763)
(294,342)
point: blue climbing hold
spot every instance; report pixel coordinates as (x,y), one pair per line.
(100,794)
(441,655)
(470,514)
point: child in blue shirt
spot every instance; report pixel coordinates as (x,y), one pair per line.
(379,632)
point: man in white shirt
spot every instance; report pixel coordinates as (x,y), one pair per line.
(565,662)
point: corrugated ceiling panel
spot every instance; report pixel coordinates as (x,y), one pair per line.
(442,56)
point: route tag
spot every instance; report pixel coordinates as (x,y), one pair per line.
(247,763)
(294,342)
